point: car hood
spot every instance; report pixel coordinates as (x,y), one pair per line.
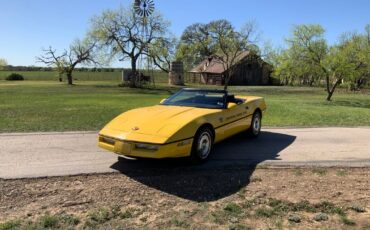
(159,120)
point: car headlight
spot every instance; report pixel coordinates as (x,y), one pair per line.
(107,140)
(146,146)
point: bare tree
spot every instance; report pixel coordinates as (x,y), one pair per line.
(80,52)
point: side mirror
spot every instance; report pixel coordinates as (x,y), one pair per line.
(163,100)
(231,105)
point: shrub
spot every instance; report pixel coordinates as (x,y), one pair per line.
(265,212)
(321,217)
(10,225)
(294,218)
(357,208)
(347,221)
(49,221)
(233,208)
(100,216)
(14,77)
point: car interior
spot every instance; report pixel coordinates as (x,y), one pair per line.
(231,99)
(207,99)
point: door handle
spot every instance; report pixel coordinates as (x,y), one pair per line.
(247,107)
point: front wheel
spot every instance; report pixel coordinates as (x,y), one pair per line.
(256,123)
(202,145)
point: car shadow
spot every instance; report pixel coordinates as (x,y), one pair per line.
(229,168)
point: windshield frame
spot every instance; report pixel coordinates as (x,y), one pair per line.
(224,92)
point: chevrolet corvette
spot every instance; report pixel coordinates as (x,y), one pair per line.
(187,124)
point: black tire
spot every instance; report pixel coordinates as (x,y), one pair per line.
(202,145)
(256,123)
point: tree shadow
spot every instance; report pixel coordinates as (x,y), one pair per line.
(352,103)
(228,170)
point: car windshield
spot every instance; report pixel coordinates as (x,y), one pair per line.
(210,99)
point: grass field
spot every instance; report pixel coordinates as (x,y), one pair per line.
(52,106)
(160,77)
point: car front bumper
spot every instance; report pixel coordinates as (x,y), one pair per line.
(130,148)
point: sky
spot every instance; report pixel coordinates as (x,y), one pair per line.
(27,26)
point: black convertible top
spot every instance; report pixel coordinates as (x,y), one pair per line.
(206,90)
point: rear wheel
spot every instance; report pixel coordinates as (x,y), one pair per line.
(256,123)
(202,145)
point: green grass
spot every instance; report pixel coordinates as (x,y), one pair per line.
(101,216)
(302,106)
(320,171)
(265,212)
(233,208)
(347,221)
(61,221)
(10,225)
(52,106)
(239,227)
(342,173)
(49,106)
(279,207)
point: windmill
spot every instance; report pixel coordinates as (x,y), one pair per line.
(143,9)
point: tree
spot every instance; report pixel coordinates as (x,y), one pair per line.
(307,54)
(352,55)
(3,63)
(127,36)
(80,52)
(228,45)
(309,57)
(217,39)
(195,44)
(162,51)
(363,47)
(292,70)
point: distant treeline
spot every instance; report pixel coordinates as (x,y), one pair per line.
(48,69)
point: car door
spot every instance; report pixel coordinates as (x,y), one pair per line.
(233,120)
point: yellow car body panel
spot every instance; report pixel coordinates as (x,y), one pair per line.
(170,130)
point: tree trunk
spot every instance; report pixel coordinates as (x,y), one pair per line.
(330,94)
(331,91)
(134,73)
(359,83)
(228,75)
(312,80)
(70,79)
(227,79)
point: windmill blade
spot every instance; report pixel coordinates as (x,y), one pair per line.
(144,8)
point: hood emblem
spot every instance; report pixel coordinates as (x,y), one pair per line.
(135,128)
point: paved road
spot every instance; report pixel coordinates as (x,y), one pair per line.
(57,154)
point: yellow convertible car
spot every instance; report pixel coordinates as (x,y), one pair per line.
(186,124)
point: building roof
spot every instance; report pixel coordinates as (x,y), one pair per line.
(214,66)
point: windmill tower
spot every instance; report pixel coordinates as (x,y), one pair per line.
(143,9)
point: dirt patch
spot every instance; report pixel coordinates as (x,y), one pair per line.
(178,198)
